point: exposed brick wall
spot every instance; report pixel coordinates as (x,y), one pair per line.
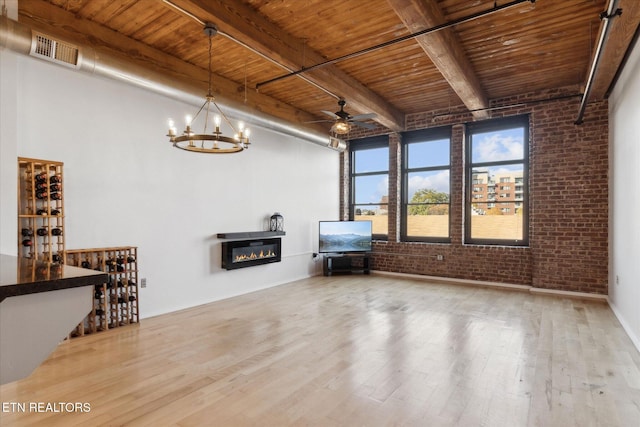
(569,195)
(568,184)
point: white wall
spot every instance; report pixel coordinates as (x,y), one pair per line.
(8,147)
(8,153)
(624,229)
(126,185)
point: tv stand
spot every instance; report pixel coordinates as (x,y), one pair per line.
(345,264)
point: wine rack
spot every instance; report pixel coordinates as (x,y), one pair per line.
(115,303)
(40,210)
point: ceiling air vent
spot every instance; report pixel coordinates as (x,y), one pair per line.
(53,50)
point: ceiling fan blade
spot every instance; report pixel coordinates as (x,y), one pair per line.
(364,116)
(330,114)
(320,121)
(364,125)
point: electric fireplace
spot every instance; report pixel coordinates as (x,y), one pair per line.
(248,253)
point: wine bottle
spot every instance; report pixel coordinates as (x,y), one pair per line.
(41,185)
(42,212)
(99,312)
(98,294)
(42,194)
(55,187)
(27,232)
(85,264)
(55,211)
(56,196)
(42,231)
(55,179)
(120,260)
(57,231)
(132,298)
(41,177)
(27,242)
(56,258)
(131,259)
(120,268)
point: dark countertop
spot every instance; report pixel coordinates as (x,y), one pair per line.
(22,276)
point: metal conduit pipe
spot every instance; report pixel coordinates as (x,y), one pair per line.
(18,38)
(611,12)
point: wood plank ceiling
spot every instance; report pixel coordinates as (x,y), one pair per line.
(527,46)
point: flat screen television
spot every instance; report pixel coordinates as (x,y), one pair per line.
(344,236)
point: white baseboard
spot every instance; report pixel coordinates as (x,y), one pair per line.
(499,285)
(453,281)
(634,339)
(569,294)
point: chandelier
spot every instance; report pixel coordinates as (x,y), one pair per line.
(213,142)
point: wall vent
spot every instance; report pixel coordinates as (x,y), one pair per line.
(53,50)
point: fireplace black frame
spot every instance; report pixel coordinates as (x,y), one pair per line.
(231,248)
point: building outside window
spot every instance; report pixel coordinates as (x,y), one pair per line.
(497,152)
(369,176)
(426,182)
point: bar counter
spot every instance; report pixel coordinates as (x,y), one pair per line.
(40,304)
(22,276)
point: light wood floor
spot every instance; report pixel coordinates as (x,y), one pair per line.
(350,351)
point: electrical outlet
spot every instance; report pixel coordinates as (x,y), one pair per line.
(439,257)
(143,282)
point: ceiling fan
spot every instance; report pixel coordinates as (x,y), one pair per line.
(343,120)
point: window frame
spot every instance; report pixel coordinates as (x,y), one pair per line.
(521,121)
(412,137)
(363,144)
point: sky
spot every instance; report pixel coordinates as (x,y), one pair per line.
(505,144)
(362,228)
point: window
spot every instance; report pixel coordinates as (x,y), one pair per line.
(497,152)
(426,182)
(369,197)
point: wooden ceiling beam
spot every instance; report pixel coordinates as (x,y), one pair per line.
(621,33)
(66,26)
(445,51)
(243,23)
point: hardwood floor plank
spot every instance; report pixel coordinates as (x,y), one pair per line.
(344,351)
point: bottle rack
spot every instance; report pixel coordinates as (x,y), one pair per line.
(40,210)
(115,303)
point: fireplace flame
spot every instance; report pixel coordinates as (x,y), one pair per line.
(262,254)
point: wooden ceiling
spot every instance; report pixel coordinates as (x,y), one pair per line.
(527,46)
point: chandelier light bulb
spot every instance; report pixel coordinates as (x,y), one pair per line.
(172,128)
